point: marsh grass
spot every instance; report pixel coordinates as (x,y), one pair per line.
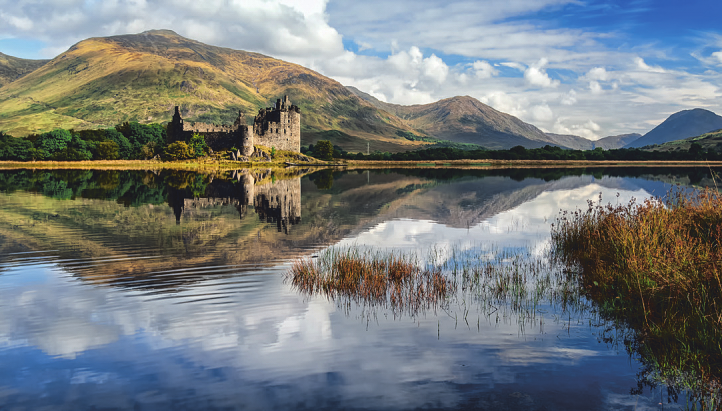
(497,285)
(655,266)
(372,278)
(504,285)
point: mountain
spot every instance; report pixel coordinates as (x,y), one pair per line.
(681,125)
(607,143)
(467,120)
(102,81)
(12,68)
(618,141)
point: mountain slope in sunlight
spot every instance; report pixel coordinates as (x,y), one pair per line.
(103,81)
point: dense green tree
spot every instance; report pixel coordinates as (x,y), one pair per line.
(696,152)
(107,150)
(323,150)
(150,150)
(125,149)
(152,136)
(178,151)
(198,145)
(76,150)
(16,149)
(52,142)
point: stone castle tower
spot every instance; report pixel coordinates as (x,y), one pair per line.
(278,127)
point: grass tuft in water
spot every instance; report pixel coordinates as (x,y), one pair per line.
(372,278)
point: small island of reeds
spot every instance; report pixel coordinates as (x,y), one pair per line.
(374,278)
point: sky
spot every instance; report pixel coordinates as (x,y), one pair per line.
(585,67)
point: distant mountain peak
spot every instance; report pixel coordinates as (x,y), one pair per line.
(679,126)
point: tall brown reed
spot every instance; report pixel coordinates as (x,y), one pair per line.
(372,278)
(656,265)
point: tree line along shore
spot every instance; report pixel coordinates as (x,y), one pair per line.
(135,141)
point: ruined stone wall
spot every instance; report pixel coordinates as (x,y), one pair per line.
(246,141)
(284,134)
(208,128)
(279,127)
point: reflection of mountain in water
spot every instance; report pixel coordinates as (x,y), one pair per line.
(477,195)
(135,241)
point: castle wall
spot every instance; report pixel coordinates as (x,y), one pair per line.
(278,127)
(246,141)
(284,134)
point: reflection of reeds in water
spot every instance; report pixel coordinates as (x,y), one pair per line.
(656,267)
(505,286)
(514,284)
(372,278)
(498,283)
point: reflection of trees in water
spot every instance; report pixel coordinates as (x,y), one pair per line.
(135,187)
(687,375)
(322,179)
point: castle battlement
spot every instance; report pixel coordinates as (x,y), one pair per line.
(278,126)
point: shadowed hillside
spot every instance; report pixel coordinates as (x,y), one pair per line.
(681,125)
(707,141)
(607,143)
(12,68)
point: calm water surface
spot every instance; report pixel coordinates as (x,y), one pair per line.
(152,291)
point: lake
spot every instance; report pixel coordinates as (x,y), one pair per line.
(170,290)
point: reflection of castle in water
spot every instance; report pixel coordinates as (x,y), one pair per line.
(276,202)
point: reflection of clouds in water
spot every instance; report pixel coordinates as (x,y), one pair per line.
(272,348)
(275,345)
(525,227)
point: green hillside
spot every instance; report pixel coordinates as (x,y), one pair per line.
(104,81)
(711,140)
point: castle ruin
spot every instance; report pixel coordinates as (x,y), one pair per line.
(278,127)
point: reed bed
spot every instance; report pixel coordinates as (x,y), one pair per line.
(499,283)
(372,278)
(655,266)
(558,285)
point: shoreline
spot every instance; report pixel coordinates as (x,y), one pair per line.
(348,164)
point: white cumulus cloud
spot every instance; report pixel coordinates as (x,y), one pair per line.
(483,69)
(595,87)
(587,129)
(597,73)
(535,75)
(542,113)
